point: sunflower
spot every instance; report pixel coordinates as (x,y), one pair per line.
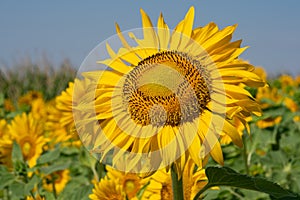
(2,127)
(66,101)
(28,133)
(296,119)
(59,178)
(287,81)
(8,105)
(5,149)
(225,139)
(268,122)
(55,130)
(38,109)
(291,104)
(160,187)
(169,96)
(260,71)
(107,190)
(131,183)
(64,104)
(38,197)
(265,94)
(297,80)
(28,98)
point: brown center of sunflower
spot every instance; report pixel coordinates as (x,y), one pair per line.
(28,148)
(167,88)
(131,185)
(166,192)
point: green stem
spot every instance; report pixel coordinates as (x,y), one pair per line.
(95,173)
(176,185)
(53,187)
(6,194)
(245,155)
(100,167)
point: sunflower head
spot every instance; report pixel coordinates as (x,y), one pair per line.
(28,133)
(107,190)
(29,97)
(131,183)
(58,179)
(164,96)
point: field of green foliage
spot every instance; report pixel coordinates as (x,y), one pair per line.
(42,158)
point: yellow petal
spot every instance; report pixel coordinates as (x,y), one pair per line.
(216,153)
(230,45)
(220,38)
(163,33)
(233,89)
(239,65)
(175,37)
(232,132)
(228,55)
(187,28)
(127,46)
(123,40)
(145,48)
(201,34)
(129,56)
(188,22)
(115,62)
(116,65)
(183,31)
(149,33)
(167,145)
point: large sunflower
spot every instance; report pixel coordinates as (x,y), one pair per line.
(169,96)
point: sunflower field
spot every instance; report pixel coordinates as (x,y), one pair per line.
(44,155)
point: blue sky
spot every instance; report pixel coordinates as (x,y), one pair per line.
(71,29)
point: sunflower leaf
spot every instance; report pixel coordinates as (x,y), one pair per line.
(17,190)
(49,156)
(224,176)
(61,165)
(34,180)
(17,159)
(16,154)
(76,191)
(142,190)
(6,177)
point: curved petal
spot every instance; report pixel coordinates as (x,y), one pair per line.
(163,33)
(150,37)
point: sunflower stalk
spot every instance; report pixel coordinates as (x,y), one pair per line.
(177,186)
(53,187)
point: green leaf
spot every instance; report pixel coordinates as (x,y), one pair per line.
(6,177)
(69,151)
(86,158)
(34,180)
(1,99)
(224,176)
(17,155)
(49,156)
(48,195)
(141,191)
(17,190)
(61,165)
(17,159)
(76,192)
